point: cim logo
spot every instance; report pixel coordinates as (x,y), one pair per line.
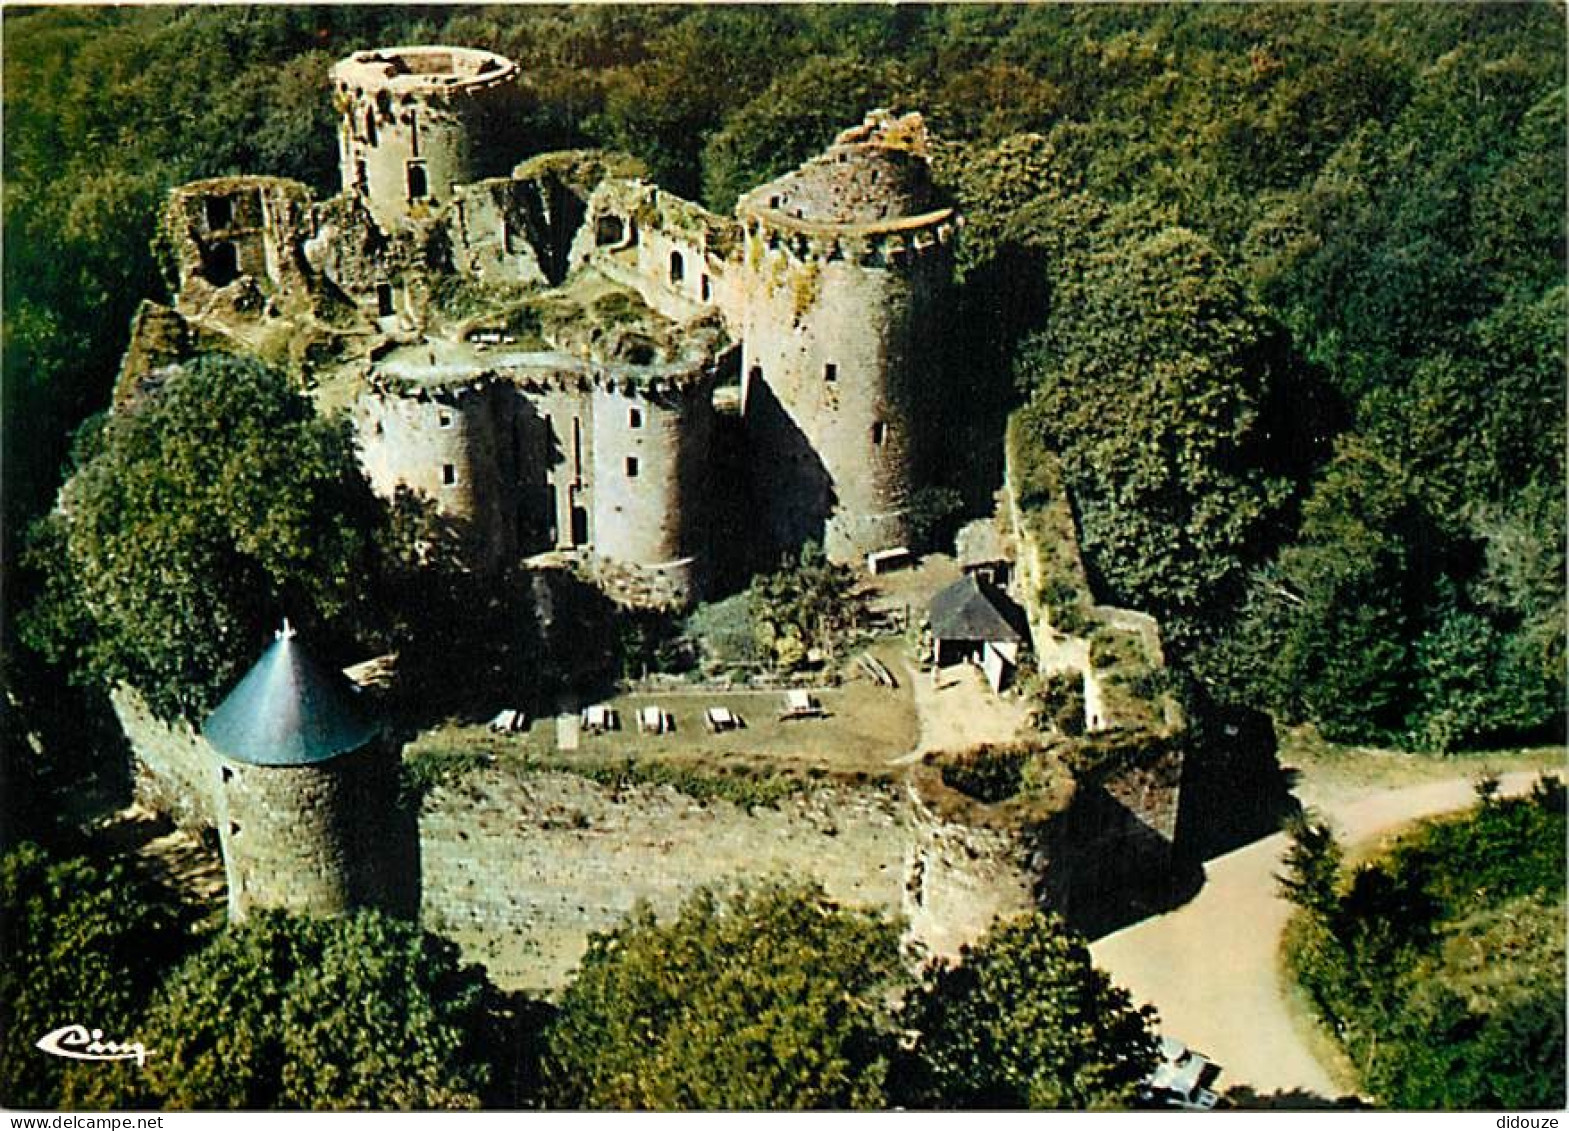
(78,1042)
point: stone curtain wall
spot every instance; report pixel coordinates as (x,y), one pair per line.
(521,866)
(549,857)
(959,878)
(175,771)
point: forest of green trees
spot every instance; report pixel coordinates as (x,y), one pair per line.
(1438,966)
(1283,286)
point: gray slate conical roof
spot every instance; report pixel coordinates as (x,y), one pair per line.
(288,711)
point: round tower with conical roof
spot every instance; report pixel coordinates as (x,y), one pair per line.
(305,787)
(848,271)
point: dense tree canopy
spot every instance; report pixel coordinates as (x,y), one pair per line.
(356,1012)
(79,945)
(804,607)
(1439,965)
(766,999)
(1152,378)
(193,522)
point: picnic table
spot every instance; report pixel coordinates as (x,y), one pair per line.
(721,719)
(654,720)
(801,705)
(509,722)
(600,718)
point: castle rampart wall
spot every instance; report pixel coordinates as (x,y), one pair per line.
(521,865)
(673,252)
(489,228)
(229,228)
(173,768)
(548,857)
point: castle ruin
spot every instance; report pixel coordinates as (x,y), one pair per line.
(548,355)
(556,358)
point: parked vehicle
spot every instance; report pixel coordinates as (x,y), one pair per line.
(1182,1079)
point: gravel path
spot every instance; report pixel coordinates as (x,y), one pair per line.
(1210,967)
(958,711)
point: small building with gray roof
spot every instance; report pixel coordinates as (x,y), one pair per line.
(974,620)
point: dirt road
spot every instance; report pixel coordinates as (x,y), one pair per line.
(1210,967)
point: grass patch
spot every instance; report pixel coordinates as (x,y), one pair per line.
(745,786)
(1333,767)
(428,768)
(1007,786)
(988,773)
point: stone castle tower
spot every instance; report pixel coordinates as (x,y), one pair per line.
(305,790)
(849,263)
(409,118)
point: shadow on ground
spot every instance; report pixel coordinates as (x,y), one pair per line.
(1234,790)
(1234,793)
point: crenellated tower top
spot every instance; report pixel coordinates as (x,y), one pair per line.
(867,198)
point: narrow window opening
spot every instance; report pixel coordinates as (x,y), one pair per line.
(449,474)
(704,289)
(384,300)
(228,774)
(370,125)
(773,202)
(634,418)
(631,467)
(830,372)
(359,173)
(414,133)
(419,187)
(444,419)
(223,264)
(577,448)
(879,433)
(677,267)
(220,212)
(234,829)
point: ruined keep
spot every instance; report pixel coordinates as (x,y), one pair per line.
(303,791)
(538,353)
(408,122)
